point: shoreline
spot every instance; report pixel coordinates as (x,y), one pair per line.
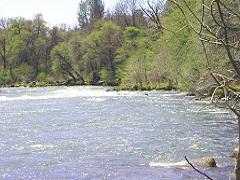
(129,87)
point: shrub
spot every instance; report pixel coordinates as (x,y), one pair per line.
(5,77)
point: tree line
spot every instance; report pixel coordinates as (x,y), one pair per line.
(148,44)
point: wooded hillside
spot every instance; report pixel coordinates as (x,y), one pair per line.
(151,45)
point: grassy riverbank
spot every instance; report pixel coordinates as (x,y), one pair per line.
(145,87)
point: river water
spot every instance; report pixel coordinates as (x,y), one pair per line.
(92,133)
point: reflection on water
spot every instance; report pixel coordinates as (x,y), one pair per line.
(92,133)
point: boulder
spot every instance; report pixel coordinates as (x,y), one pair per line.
(206,162)
(100,83)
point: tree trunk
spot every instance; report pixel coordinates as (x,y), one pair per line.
(4,55)
(72,76)
(237,169)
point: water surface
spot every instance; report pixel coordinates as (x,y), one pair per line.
(92,133)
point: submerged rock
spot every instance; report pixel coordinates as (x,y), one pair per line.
(204,162)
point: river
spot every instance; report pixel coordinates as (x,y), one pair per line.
(92,133)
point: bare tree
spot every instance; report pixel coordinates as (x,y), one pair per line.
(39,27)
(83,14)
(121,13)
(153,10)
(129,13)
(89,12)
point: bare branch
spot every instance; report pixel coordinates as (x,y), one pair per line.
(200,172)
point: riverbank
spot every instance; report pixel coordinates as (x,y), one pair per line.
(200,92)
(123,87)
(146,87)
(42,84)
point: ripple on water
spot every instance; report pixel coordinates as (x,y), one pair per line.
(87,132)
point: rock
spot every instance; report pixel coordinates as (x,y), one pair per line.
(234,153)
(70,82)
(32,84)
(100,83)
(204,162)
(190,94)
(207,162)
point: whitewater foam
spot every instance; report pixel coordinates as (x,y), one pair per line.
(42,146)
(168,165)
(68,93)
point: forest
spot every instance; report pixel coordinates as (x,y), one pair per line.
(137,45)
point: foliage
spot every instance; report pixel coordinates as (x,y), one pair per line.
(5,77)
(98,50)
(120,47)
(136,57)
(62,61)
(43,77)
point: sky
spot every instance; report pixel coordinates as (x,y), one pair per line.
(55,12)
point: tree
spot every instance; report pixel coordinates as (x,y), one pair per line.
(63,64)
(54,39)
(83,14)
(136,58)
(96,10)
(128,13)
(89,12)
(98,50)
(4,25)
(3,49)
(154,10)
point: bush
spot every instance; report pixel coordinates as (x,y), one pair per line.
(42,76)
(107,76)
(5,77)
(132,32)
(22,73)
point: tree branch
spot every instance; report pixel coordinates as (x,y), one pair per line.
(197,169)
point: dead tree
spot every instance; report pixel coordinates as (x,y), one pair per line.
(128,13)
(153,10)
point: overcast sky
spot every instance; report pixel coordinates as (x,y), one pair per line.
(55,12)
